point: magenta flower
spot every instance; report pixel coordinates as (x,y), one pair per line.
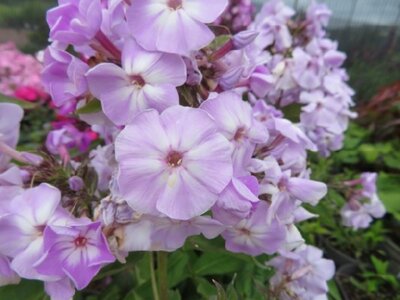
(63,76)
(175,163)
(75,22)
(235,120)
(76,251)
(10,118)
(156,23)
(146,80)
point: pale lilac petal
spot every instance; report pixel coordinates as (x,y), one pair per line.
(193,128)
(136,60)
(186,33)
(23,263)
(12,226)
(160,97)
(306,190)
(62,289)
(185,197)
(81,279)
(169,69)
(38,204)
(145,15)
(205,11)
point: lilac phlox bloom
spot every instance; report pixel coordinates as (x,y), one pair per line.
(236,122)
(176,163)
(114,24)
(364,204)
(255,235)
(317,18)
(77,251)
(64,76)
(307,70)
(302,274)
(21,229)
(237,200)
(10,118)
(155,23)
(271,22)
(152,233)
(75,22)
(146,80)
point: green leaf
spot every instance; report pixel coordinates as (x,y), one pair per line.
(219,41)
(178,268)
(21,103)
(231,291)
(369,152)
(26,290)
(334,293)
(292,112)
(205,288)
(379,265)
(389,191)
(217,263)
(91,107)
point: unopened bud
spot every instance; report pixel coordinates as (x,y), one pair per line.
(243,39)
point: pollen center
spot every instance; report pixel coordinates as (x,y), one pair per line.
(174,159)
(80,241)
(137,80)
(175,4)
(240,134)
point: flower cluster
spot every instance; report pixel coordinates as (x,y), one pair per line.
(20,74)
(189,134)
(238,15)
(301,274)
(363,204)
(304,68)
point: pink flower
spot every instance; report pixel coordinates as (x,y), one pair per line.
(175,163)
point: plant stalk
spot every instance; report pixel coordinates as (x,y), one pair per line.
(153,277)
(162,270)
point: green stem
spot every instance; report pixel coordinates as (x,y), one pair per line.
(153,277)
(162,268)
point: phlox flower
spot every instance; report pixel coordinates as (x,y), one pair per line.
(76,251)
(255,235)
(21,228)
(146,80)
(302,274)
(176,163)
(63,76)
(75,22)
(236,122)
(174,26)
